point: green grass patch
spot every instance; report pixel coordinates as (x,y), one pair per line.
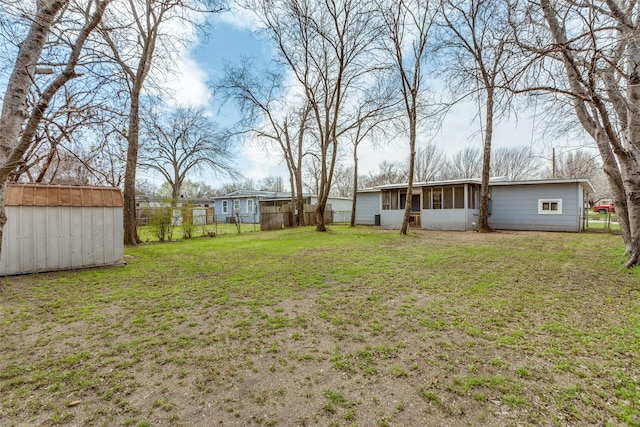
(352,326)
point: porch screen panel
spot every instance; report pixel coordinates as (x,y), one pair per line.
(458,197)
(426,198)
(447,193)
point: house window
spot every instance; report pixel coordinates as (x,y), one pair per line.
(251,206)
(225,206)
(550,206)
(236,206)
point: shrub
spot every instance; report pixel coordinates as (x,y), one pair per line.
(188,226)
(161,224)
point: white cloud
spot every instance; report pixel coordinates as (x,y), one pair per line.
(188,85)
(257,163)
(241,18)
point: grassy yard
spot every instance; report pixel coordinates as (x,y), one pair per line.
(147,234)
(353,327)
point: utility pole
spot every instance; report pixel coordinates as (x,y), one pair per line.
(553,163)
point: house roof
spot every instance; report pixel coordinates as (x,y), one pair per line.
(62,195)
(495,181)
(268,195)
(240,194)
(584,182)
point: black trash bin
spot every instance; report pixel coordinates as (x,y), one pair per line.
(377,220)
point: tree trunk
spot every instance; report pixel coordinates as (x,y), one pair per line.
(294,202)
(3,214)
(412,160)
(631,174)
(352,223)
(130,218)
(483,217)
(320,216)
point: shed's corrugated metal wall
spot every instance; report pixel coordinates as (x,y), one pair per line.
(48,234)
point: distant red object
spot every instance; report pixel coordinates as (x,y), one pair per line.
(605,208)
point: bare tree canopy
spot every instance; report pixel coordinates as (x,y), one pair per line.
(272,115)
(479,46)
(516,163)
(183,141)
(328,48)
(387,173)
(137,36)
(465,164)
(407,25)
(431,162)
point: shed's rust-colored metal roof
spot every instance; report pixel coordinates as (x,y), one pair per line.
(62,195)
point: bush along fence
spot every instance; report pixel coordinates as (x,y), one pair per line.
(167,224)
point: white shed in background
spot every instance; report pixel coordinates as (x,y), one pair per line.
(54,227)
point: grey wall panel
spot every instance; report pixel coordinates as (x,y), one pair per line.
(367,207)
(48,238)
(516,207)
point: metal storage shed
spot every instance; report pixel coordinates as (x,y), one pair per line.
(54,227)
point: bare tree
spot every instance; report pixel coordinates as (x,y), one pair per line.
(376,108)
(272,183)
(327,46)
(575,164)
(408,22)
(516,163)
(479,40)
(465,164)
(18,123)
(431,162)
(343,181)
(271,114)
(188,190)
(181,142)
(134,35)
(598,56)
(388,173)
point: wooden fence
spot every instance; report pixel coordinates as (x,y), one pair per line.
(278,217)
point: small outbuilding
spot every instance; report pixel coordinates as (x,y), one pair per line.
(535,205)
(57,227)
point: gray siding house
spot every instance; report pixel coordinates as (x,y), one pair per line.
(246,203)
(546,205)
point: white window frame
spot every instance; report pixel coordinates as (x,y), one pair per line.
(251,206)
(545,205)
(236,206)
(225,206)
